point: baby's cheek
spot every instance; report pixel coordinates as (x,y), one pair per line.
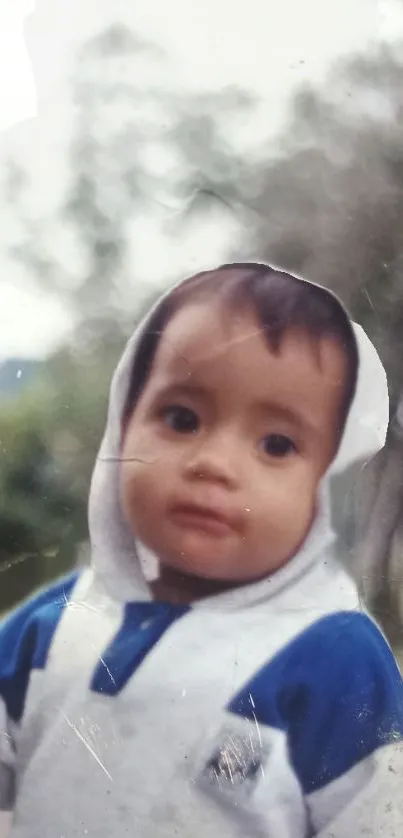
(302,508)
(295,501)
(137,487)
(138,446)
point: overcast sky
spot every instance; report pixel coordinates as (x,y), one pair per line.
(266,46)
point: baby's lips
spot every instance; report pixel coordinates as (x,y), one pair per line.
(211,512)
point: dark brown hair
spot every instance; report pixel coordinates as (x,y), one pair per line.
(280,301)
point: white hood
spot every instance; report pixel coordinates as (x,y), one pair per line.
(115,554)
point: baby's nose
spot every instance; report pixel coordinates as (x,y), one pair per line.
(216,462)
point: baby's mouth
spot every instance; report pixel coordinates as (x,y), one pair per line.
(202,518)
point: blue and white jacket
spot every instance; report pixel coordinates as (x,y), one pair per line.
(272,711)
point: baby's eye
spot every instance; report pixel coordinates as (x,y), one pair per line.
(181,419)
(277,445)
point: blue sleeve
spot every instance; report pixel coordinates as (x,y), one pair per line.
(337,694)
(25,639)
(351,705)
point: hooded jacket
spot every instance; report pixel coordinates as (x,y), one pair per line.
(271,711)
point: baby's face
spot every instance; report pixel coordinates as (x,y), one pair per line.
(225,449)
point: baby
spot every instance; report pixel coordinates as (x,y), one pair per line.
(238,690)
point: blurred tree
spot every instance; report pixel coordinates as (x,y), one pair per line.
(40,513)
(131,153)
(325,200)
(52,436)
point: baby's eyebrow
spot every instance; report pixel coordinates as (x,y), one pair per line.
(186,387)
(281,411)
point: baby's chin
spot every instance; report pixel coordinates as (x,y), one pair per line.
(219,569)
(217,565)
(203,558)
(224,559)
(191,551)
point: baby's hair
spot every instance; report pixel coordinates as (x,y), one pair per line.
(280,301)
